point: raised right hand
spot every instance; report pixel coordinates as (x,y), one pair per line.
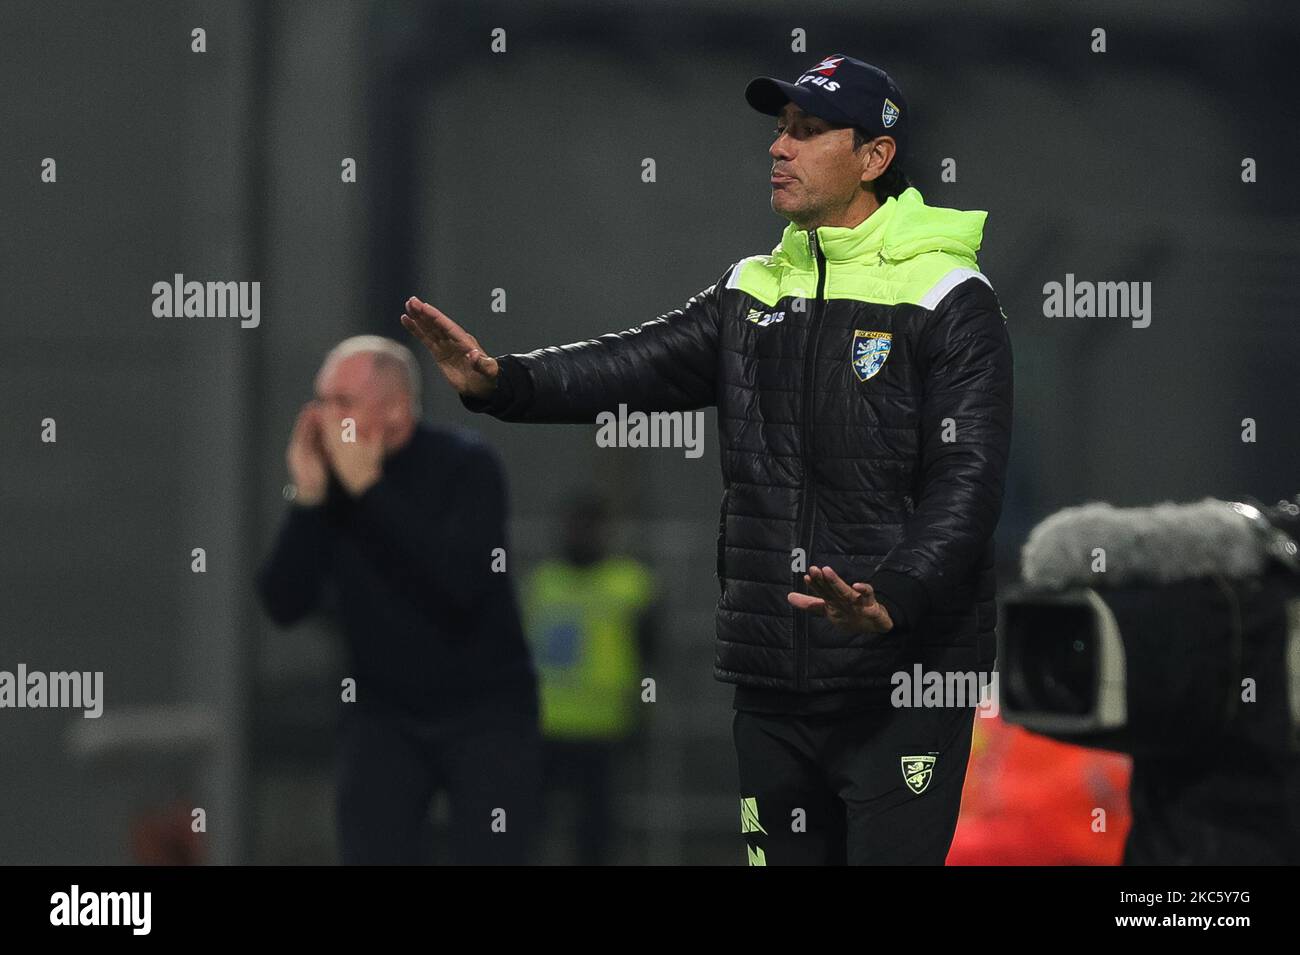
(462,361)
(308,467)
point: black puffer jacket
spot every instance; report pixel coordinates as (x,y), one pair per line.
(863,380)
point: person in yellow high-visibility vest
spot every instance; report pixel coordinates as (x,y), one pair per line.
(588,616)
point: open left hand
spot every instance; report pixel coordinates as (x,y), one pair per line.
(852,609)
(358,463)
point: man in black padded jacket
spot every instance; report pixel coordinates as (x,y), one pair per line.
(862,373)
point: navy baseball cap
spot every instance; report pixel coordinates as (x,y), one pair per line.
(841,90)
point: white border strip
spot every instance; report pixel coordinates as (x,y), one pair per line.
(948,283)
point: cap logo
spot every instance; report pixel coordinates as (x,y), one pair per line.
(827,66)
(889,114)
(828,86)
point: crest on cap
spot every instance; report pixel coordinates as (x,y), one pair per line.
(888,114)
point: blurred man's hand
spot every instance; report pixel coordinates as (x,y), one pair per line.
(358,463)
(460,358)
(851,609)
(308,468)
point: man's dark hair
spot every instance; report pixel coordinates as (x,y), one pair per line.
(893,181)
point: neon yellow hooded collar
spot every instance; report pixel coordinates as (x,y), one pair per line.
(903,227)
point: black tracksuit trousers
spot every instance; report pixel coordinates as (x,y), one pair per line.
(487,761)
(874,787)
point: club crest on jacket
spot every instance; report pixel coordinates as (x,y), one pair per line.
(870,349)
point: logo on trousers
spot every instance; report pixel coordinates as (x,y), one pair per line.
(918,771)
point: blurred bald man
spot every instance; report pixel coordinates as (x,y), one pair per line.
(403,522)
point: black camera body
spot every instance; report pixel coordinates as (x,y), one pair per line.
(1158,631)
(1170,633)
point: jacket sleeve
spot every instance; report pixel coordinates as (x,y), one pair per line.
(965,354)
(666,364)
(289,582)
